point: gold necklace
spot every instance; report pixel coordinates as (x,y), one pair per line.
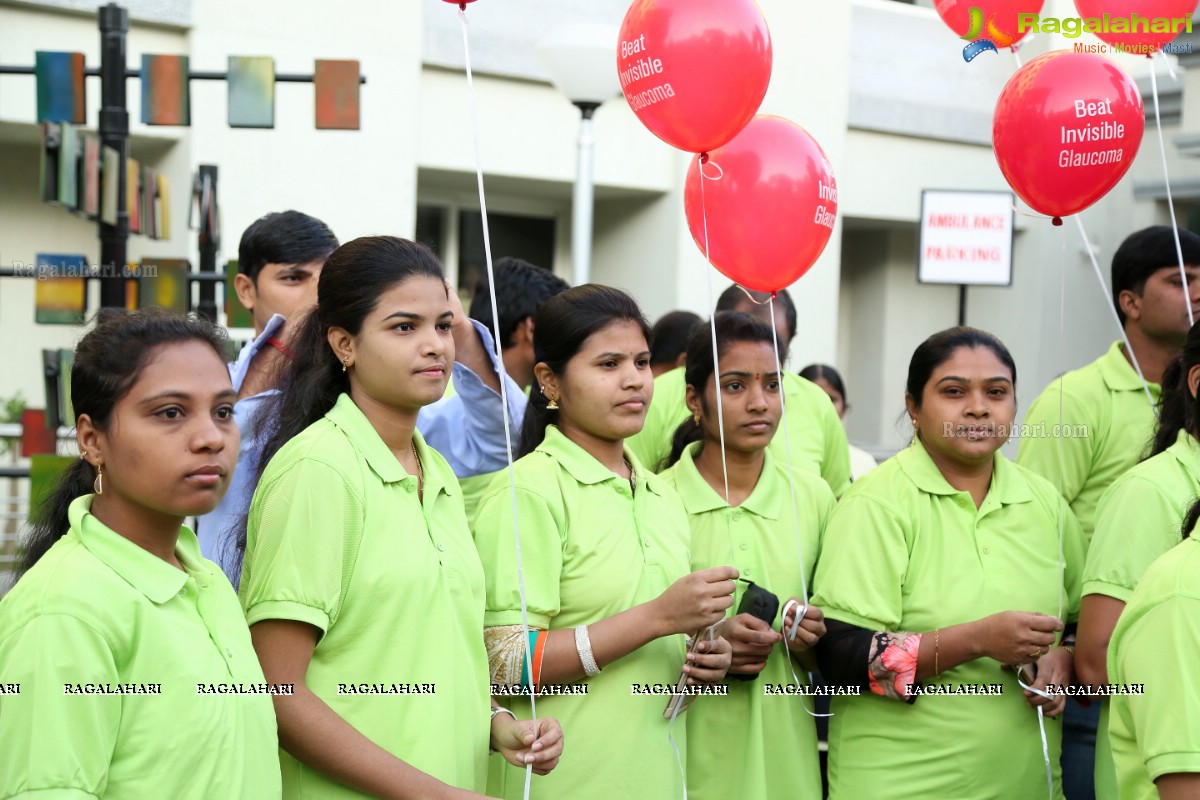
(420,469)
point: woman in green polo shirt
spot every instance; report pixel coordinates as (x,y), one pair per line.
(604,543)
(1138,519)
(126,670)
(360,581)
(735,742)
(939,569)
(1152,663)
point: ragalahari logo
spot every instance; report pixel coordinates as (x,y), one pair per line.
(983,37)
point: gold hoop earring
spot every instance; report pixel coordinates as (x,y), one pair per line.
(98,484)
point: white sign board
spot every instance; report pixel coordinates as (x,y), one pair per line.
(966,238)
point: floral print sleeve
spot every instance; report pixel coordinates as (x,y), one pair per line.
(883,662)
(892,664)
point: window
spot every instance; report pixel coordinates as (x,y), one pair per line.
(456,235)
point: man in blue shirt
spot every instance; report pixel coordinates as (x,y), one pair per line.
(521,289)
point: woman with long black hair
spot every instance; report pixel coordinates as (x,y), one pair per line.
(360,581)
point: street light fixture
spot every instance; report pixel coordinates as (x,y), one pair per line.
(582,61)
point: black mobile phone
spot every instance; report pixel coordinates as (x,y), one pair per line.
(760,603)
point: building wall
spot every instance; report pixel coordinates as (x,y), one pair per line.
(28,226)
(359,182)
(920,119)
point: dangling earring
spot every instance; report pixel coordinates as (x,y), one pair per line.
(696,417)
(553,404)
(98,484)
(345,365)
(916,425)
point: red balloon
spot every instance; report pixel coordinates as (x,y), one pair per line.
(771,210)
(1139,41)
(994,20)
(1067,127)
(694,71)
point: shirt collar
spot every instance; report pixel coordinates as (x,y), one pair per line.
(142,570)
(349,419)
(584,468)
(698,496)
(1008,485)
(1119,375)
(1187,452)
(239,368)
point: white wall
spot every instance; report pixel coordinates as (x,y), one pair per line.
(359,182)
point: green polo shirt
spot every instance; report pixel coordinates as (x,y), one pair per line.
(1138,519)
(474,488)
(817,437)
(1109,425)
(338,538)
(734,742)
(106,656)
(590,550)
(905,551)
(1155,645)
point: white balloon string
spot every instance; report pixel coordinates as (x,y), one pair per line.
(512,484)
(712,638)
(1108,302)
(712,326)
(712,303)
(1170,67)
(1016,47)
(1042,728)
(1062,316)
(1162,151)
(718,173)
(1028,214)
(790,633)
(788,448)
(675,747)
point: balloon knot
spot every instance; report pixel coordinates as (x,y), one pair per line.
(704,158)
(462,6)
(1057,221)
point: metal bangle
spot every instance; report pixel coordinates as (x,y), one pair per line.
(498,710)
(583,646)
